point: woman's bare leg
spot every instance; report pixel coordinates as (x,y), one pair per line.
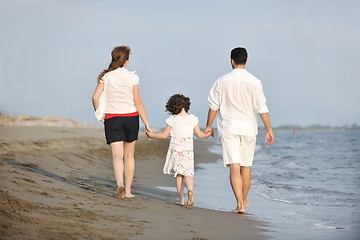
(117,152)
(129,167)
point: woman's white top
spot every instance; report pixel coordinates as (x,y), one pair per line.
(117,96)
(182,126)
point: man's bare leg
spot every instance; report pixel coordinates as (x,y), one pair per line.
(236,184)
(246,181)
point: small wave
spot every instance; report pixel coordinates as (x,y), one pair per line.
(304,195)
(266,157)
(272,198)
(322,225)
(286,147)
(169,189)
(293,165)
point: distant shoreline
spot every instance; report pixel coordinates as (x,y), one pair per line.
(36,121)
(314,128)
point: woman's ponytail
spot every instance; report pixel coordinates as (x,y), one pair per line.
(119,56)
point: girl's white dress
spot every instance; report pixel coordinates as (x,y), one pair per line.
(180,156)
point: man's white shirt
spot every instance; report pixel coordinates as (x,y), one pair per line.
(238,97)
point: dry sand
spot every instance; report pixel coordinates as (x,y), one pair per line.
(57,183)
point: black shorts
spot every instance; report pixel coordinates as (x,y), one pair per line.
(121,129)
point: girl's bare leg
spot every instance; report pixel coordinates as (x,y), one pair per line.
(129,167)
(180,189)
(189,185)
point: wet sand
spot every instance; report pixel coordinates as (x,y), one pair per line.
(57,183)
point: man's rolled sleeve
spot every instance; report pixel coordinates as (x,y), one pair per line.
(263,109)
(214,97)
(261,101)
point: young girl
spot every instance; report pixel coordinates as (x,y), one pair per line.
(180,156)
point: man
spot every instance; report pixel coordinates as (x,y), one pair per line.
(238,97)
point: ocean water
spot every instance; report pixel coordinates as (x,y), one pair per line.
(305,186)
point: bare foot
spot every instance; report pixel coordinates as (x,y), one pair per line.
(246,203)
(180,202)
(120,192)
(238,210)
(190,201)
(129,196)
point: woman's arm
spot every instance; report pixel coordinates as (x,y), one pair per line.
(140,107)
(95,99)
(200,134)
(162,135)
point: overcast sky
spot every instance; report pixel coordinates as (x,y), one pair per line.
(306,54)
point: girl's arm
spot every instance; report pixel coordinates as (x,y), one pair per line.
(162,135)
(98,91)
(140,107)
(200,134)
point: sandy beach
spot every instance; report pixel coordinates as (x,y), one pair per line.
(57,183)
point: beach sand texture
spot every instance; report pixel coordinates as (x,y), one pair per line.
(57,183)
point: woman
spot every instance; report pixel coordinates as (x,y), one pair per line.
(118,105)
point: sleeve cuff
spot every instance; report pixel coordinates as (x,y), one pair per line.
(169,122)
(196,121)
(263,109)
(136,79)
(213,106)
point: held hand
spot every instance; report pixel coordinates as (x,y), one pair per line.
(269,138)
(209,134)
(102,119)
(148,132)
(148,129)
(209,130)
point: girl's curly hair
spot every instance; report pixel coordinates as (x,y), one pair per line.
(176,103)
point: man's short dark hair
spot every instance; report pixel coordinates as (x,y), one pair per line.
(239,55)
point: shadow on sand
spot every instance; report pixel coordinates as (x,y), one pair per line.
(96,184)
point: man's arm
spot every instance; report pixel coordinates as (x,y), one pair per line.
(214,103)
(269,137)
(210,120)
